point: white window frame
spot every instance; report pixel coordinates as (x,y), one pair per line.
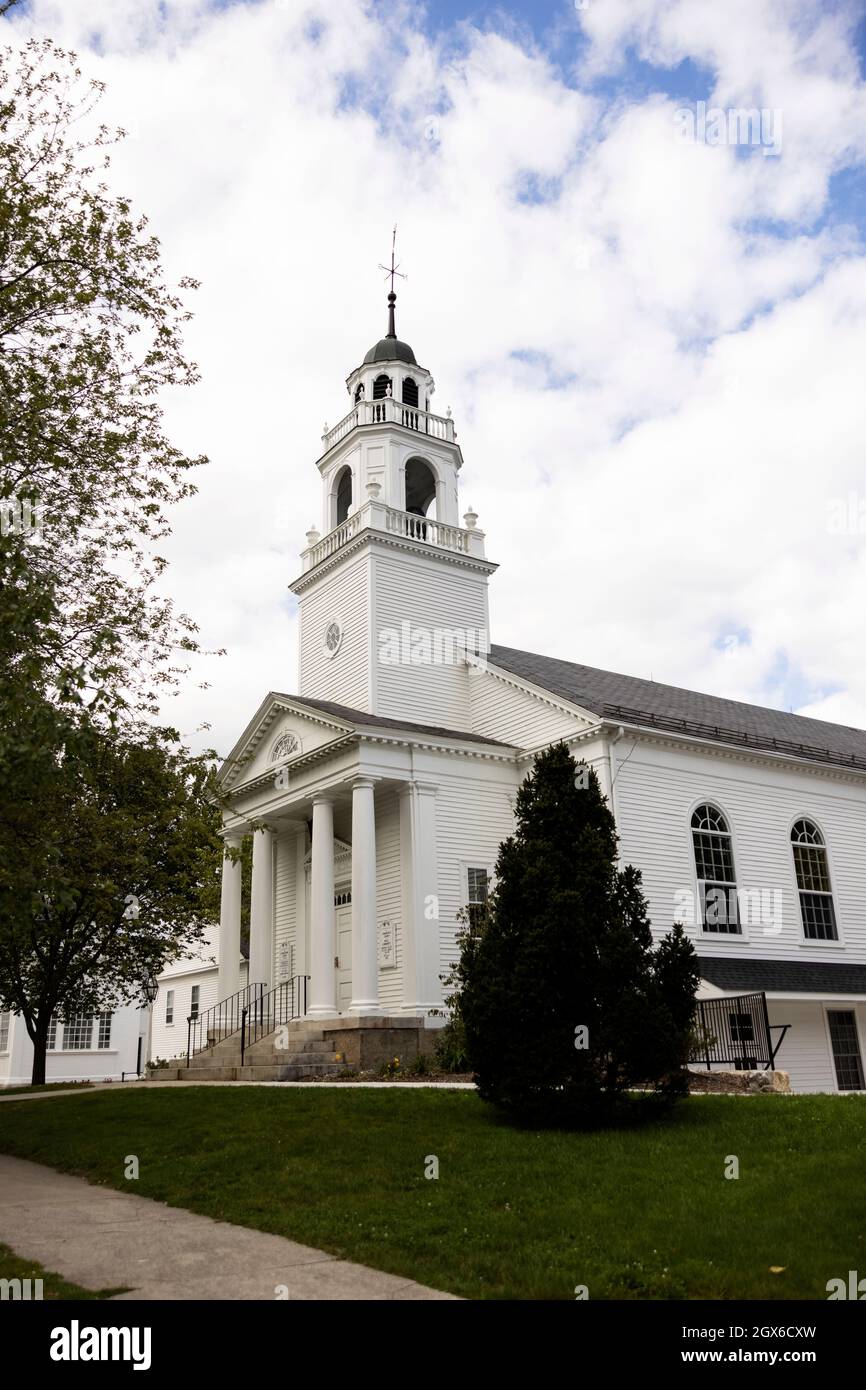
(195,1001)
(822,943)
(705,933)
(78,1027)
(169,1008)
(465,866)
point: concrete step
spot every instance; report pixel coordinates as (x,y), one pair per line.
(203,1074)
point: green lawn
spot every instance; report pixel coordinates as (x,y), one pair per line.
(513,1214)
(53,1285)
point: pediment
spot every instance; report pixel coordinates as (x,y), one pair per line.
(280,733)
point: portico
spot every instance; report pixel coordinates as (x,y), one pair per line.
(352,838)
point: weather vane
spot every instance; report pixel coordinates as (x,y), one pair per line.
(392,269)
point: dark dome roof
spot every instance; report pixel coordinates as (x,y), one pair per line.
(390,350)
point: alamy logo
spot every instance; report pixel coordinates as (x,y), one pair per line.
(736,125)
(77,1343)
(20,1290)
(854,1289)
(20,516)
(430,646)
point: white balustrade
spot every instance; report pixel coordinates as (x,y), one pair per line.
(388,411)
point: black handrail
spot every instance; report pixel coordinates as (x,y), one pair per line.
(735,1030)
(220,1021)
(269,1011)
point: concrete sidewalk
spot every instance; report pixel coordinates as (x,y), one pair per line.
(286,1086)
(100,1239)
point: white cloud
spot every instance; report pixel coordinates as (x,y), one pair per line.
(659,479)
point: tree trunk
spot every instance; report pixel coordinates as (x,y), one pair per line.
(40,1047)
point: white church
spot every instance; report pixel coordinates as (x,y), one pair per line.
(379,793)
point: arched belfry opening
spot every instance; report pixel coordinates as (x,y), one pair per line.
(344,495)
(410,391)
(381,387)
(420,486)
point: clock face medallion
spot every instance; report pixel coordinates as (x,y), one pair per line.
(333,637)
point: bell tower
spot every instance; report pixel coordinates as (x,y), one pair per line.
(393,588)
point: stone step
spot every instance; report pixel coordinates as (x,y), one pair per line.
(312,1058)
(205,1074)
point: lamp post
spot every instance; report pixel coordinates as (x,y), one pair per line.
(150,989)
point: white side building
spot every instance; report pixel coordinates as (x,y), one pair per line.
(107,1047)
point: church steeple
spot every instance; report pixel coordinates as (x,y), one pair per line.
(392,548)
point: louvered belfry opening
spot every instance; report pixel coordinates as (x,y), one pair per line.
(410,391)
(344,495)
(381,387)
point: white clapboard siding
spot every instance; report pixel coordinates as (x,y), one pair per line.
(805,1053)
(388,900)
(657,788)
(472,819)
(345,677)
(502,711)
(433,597)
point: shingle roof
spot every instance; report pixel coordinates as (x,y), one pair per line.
(638,701)
(784,976)
(378,721)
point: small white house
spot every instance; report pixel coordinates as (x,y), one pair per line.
(187,989)
(104,1047)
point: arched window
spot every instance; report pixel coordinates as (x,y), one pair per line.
(410,392)
(813,882)
(359,392)
(714,862)
(381,387)
(344,495)
(285,746)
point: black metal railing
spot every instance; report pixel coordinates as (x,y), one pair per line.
(269,1011)
(735,1031)
(220,1021)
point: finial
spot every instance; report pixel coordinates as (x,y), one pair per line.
(390,272)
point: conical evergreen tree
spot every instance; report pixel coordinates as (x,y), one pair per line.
(564,1001)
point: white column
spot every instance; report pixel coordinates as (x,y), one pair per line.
(262,910)
(365,960)
(228,981)
(422,988)
(323,975)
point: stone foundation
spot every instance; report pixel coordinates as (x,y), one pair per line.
(366,1044)
(748,1083)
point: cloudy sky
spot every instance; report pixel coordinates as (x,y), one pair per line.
(651,336)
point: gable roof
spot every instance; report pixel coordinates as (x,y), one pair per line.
(633,700)
(378,721)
